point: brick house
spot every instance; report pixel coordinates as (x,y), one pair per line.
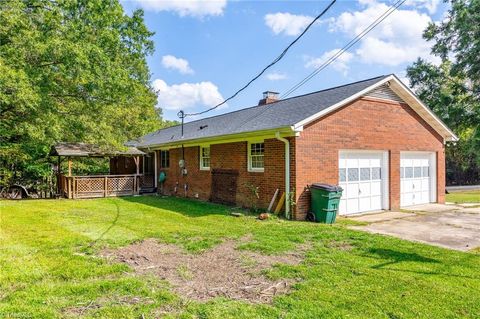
(374,138)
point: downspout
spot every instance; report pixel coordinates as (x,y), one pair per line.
(287,173)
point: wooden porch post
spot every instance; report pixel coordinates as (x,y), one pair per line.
(105,185)
(69,187)
(59,177)
(69,166)
(155,169)
(137,164)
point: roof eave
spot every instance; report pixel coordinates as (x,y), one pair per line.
(225,138)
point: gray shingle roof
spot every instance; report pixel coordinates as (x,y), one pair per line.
(279,114)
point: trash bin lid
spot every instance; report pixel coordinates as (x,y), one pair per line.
(327,187)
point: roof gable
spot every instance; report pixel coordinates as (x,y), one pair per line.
(403,93)
(384,92)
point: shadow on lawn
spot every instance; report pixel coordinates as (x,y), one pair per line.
(396,257)
(185,206)
(114,222)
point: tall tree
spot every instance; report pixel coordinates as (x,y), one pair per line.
(70,70)
(452,89)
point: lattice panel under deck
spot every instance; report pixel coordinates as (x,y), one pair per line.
(146,181)
(120,185)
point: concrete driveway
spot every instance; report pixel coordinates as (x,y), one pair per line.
(448,226)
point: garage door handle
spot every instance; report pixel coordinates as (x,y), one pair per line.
(359,192)
(413,186)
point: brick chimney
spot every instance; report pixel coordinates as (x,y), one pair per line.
(268,97)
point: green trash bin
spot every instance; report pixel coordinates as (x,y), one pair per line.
(325,200)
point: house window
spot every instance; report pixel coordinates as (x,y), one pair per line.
(164,159)
(256,153)
(205,158)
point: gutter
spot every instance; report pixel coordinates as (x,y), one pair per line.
(287,173)
(218,139)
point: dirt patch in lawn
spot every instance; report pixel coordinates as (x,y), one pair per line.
(221,271)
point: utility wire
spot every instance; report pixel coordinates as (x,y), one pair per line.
(352,42)
(182,114)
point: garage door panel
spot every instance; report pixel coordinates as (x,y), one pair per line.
(416,180)
(362,178)
(352,162)
(376,202)
(376,162)
(364,190)
(343,206)
(352,190)
(407,186)
(364,162)
(376,188)
(425,197)
(425,184)
(364,204)
(416,185)
(352,205)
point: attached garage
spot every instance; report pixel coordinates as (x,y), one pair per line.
(417,178)
(363,175)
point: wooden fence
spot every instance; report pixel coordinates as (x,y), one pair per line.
(99,185)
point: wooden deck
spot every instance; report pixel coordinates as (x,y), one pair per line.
(94,186)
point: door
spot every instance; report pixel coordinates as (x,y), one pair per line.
(362,176)
(416,177)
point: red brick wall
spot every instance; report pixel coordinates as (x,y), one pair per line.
(229,156)
(366,124)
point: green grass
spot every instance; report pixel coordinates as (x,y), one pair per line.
(49,266)
(463,197)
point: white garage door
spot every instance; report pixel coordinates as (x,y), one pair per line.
(416,178)
(362,176)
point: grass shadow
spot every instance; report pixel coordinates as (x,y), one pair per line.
(396,257)
(186,206)
(106,231)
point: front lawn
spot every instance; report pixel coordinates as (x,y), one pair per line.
(463,197)
(50,265)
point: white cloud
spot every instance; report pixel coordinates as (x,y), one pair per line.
(287,23)
(430,5)
(275,76)
(340,64)
(194,8)
(186,95)
(398,39)
(174,63)
(402,75)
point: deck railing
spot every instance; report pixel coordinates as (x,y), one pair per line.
(92,186)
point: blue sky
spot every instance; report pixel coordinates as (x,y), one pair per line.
(205,50)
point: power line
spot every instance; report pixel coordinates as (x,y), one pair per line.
(352,42)
(182,114)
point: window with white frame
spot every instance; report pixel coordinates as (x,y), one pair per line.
(256,153)
(205,157)
(164,159)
